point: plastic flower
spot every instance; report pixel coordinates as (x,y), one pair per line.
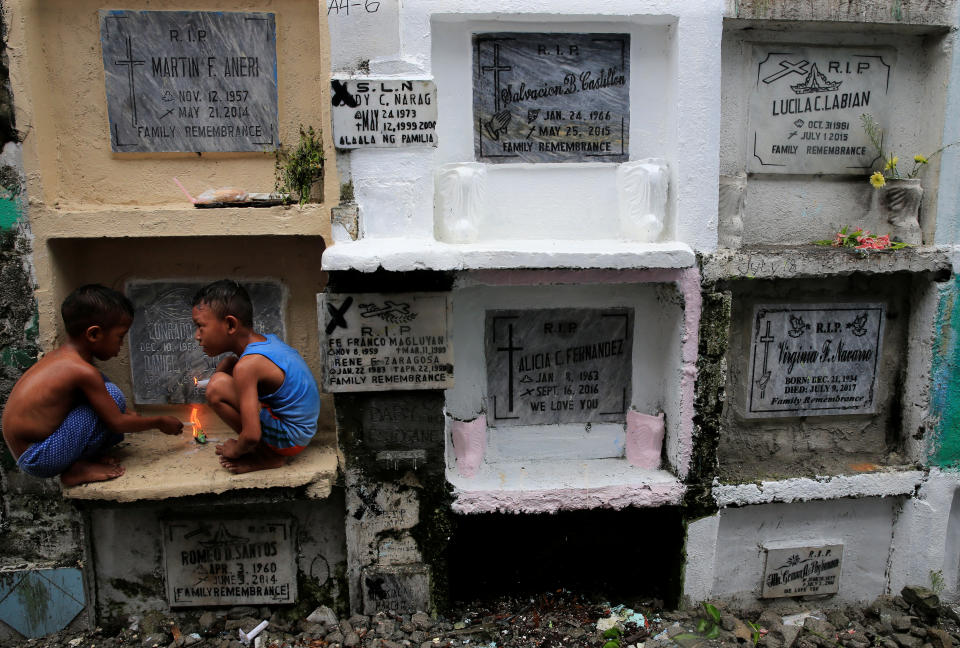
(877,179)
(919,159)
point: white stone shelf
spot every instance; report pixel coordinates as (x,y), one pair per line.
(396,254)
(551,486)
(886,483)
(161,467)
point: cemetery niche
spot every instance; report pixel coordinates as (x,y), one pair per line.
(541,97)
(165,359)
(190,81)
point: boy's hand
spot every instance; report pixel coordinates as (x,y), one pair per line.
(229,449)
(170,425)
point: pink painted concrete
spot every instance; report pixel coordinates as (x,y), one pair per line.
(644,439)
(553,500)
(469,444)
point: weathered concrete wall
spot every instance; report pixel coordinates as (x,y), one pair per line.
(128,556)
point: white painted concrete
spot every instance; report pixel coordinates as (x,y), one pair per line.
(401,254)
(675,88)
(802,489)
(864,527)
(948,202)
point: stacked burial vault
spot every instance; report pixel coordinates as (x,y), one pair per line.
(568,304)
(582,320)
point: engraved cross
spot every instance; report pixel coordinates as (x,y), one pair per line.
(131,63)
(510,348)
(496,68)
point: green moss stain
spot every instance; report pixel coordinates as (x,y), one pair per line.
(35,600)
(944,445)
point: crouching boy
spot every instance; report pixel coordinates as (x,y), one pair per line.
(63,414)
(262,371)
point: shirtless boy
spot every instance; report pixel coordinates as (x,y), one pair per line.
(262,371)
(63,414)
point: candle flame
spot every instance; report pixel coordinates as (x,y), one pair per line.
(198,434)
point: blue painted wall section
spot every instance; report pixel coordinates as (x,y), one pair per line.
(944,448)
(39,602)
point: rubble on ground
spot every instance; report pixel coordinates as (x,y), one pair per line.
(914,619)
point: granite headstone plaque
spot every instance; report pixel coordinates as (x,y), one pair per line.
(229,562)
(802,571)
(386,113)
(815,359)
(805,107)
(164,356)
(402,428)
(403,588)
(551,97)
(190,80)
(558,365)
(380,342)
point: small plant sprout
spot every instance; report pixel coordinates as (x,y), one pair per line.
(297,170)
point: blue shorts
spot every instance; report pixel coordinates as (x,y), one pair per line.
(82,435)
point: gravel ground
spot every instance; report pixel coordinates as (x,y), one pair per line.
(915,619)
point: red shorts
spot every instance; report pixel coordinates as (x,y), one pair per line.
(287,452)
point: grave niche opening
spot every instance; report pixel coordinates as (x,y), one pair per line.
(165,359)
(815,387)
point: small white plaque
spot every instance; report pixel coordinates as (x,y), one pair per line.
(383,113)
(380,342)
(802,571)
(815,359)
(805,107)
(229,562)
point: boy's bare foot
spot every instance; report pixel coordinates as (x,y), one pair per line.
(259,459)
(83,472)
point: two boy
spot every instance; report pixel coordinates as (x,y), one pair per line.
(63,414)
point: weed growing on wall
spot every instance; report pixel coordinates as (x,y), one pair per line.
(296,171)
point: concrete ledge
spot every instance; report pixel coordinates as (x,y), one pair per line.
(804,489)
(897,12)
(814,261)
(123,221)
(161,467)
(401,255)
(548,487)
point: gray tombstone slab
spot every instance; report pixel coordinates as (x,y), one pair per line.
(805,107)
(403,429)
(558,365)
(190,80)
(381,342)
(383,113)
(802,571)
(551,97)
(229,562)
(404,588)
(164,356)
(815,359)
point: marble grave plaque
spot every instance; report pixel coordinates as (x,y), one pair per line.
(805,107)
(380,342)
(403,428)
(191,81)
(802,571)
(542,97)
(229,562)
(814,359)
(385,113)
(164,356)
(558,365)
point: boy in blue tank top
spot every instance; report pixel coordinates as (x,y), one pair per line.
(264,391)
